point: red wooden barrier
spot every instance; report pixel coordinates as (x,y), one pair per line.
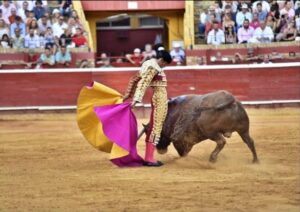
(61,88)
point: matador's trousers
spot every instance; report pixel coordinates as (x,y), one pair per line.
(158,114)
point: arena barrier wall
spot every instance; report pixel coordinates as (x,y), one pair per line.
(59,88)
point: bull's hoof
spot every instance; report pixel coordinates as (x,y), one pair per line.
(255,160)
(212,159)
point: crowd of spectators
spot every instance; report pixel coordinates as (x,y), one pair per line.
(246,21)
(32,24)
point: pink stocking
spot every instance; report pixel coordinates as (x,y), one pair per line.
(149,152)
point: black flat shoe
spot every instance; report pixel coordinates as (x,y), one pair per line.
(153,164)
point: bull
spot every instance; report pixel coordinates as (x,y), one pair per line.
(195,118)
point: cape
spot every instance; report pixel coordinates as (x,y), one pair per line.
(108,124)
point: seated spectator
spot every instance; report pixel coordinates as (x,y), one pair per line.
(297,11)
(63,56)
(32,41)
(255,22)
(6,8)
(177,54)
(209,24)
(31,3)
(33,25)
(29,18)
(65,7)
(148,53)
(66,40)
(43,41)
(3,28)
(263,34)
(59,27)
(212,11)
(202,22)
(106,63)
(79,39)
(250,55)
(271,22)
(243,15)
(281,24)
(230,35)
(18,24)
(265,6)
(47,58)
(103,56)
(55,16)
(237,59)
(289,33)
(288,9)
(17,39)
(49,38)
(262,14)
(216,36)
(245,33)
(227,21)
(297,20)
(274,11)
(22,10)
(73,25)
(136,58)
(13,15)
(38,10)
(229,11)
(5,42)
(266,59)
(43,24)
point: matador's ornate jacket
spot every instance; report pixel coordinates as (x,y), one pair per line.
(151,75)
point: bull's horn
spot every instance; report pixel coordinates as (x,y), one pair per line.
(141,133)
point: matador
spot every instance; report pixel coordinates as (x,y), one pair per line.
(152,75)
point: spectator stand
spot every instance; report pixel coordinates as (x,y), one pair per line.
(225,54)
(11,58)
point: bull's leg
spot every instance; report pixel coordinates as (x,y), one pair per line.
(250,143)
(220,140)
(183,148)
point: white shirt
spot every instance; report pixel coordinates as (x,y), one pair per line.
(6,12)
(203,17)
(259,33)
(21,13)
(216,38)
(265,6)
(240,17)
(58,29)
(31,4)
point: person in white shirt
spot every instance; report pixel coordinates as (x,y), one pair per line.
(31,3)
(265,6)
(177,54)
(6,8)
(202,21)
(216,36)
(59,27)
(242,15)
(263,34)
(32,41)
(288,9)
(21,11)
(245,33)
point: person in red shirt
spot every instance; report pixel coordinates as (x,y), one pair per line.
(79,39)
(13,16)
(136,58)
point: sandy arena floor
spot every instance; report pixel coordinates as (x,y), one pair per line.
(46,165)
